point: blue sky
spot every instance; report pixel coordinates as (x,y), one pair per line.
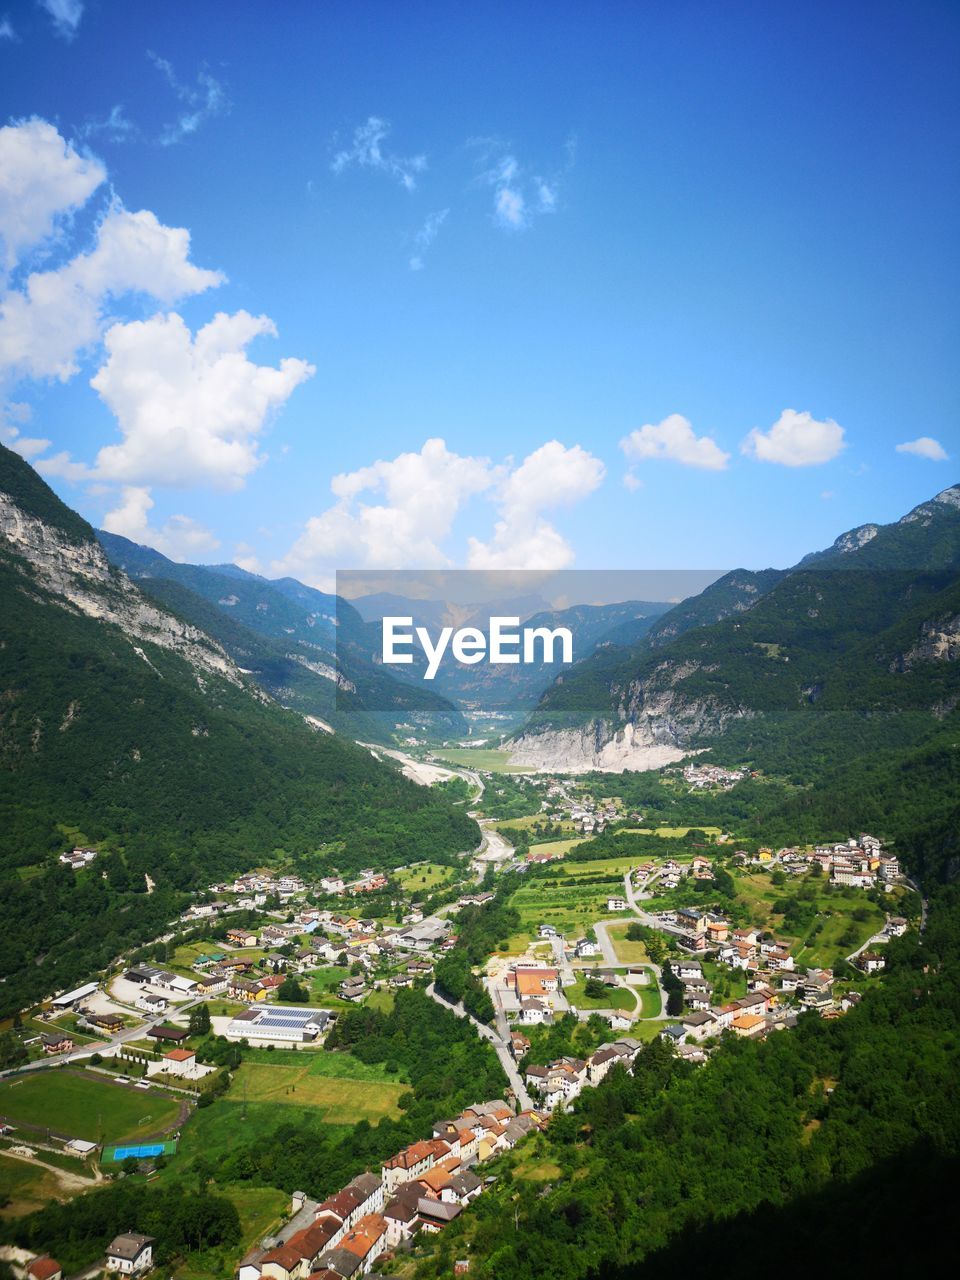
(670,282)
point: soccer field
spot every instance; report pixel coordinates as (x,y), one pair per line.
(85,1106)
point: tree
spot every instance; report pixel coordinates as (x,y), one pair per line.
(290,989)
(200,1021)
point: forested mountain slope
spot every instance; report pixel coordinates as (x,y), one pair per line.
(124,726)
(868,628)
(310,650)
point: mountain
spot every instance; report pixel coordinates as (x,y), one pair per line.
(310,650)
(865,628)
(125,726)
(506,690)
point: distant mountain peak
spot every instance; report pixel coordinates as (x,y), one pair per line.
(928,510)
(854,539)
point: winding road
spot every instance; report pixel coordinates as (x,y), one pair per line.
(502,1047)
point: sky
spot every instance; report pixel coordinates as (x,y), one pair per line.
(364,285)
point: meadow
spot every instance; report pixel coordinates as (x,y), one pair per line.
(338,1089)
(486,759)
(25,1187)
(85,1106)
(424,877)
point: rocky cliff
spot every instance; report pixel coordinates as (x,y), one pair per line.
(78,576)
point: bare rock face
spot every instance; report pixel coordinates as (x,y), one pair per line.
(79,577)
(596,746)
(939,642)
(655,723)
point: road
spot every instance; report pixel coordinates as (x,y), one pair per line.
(612,960)
(501,1045)
(103,1047)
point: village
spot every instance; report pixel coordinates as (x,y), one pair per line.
(273,962)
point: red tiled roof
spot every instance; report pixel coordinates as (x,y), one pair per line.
(44,1268)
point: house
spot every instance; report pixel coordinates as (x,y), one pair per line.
(352,989)
(56,1042)
(180,1062)
(748,1024)
(534,980)
(130,1254)
(45,1268)
(547,931)
(519,1044)
(584,947)
(688,970)
(896,927)
(111,1022)
(616,904)
(248,992)
(163,1032)
(534,1012)
(241,937)
(212,984)
(407,1164)
(150,1004)
(872,962)
(700,1025)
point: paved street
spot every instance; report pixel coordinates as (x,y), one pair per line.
(500,1043)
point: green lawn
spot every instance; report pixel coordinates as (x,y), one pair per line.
(650,1005)
(424,878)
(85,1106)
(627,952)
(612,998)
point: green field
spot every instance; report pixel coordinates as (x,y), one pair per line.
(572,907)
(627,952)
(85,1106)
(612,998)
(424,878)
(557,847)
(487,759)
(340,1089)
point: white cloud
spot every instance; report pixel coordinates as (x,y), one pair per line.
(244,557)
(181,537)
(552,476)
(674,439)
(6,29)
(795,440)
(58,313)
(116,126)
(510,208)
(631,480)
(200,101)
(42,180)
(190,409)
(517,197)
(13,415)
(367,151)
(426,236)
(422,494)
(66,15)
(924,447)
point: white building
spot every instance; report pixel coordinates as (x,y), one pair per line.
(130,1254)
